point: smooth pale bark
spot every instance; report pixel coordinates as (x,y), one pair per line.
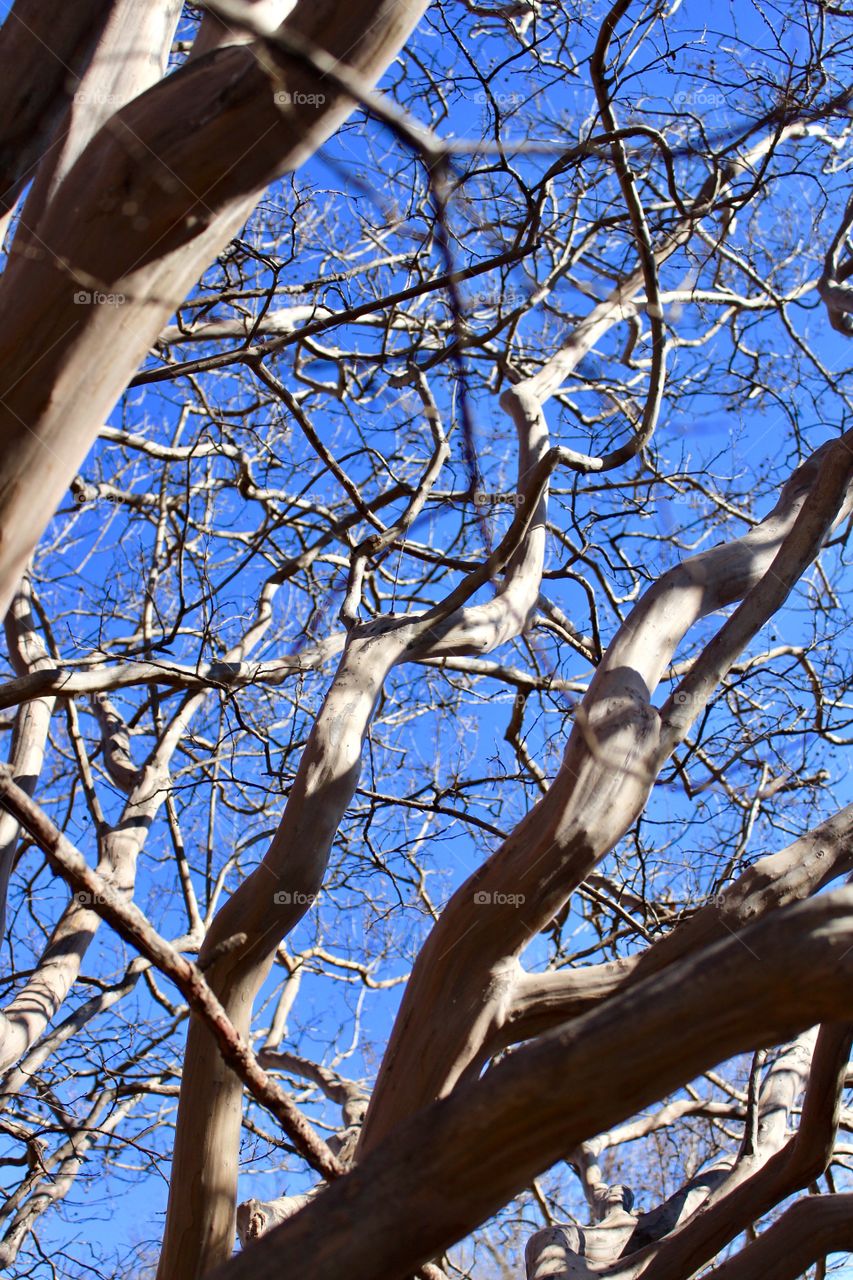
(130,56)
(49,1186)
(215,34)
(16,1079)
(29,735)
(200,1220)
(806,1232)
(764,1136)
(740,1190)
(450,1167)
(201,1215)
(33,1007)
(44,48)
(275,323)
(834,285)
(543,1000)
(756,1185)
(61,682)
(256,1217)
(115,744)
(158,191)
(735,568)
(462,986)
(572,1252)
(30,1010)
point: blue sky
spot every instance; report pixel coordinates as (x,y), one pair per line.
(709,433)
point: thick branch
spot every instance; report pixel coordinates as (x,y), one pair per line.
(447,1169)
(44,48)
(542,1000)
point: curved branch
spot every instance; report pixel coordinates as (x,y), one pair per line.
(448,1168)
(542,1000)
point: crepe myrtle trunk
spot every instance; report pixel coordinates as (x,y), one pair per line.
(465,982)
(468,978)
(46,48)
(200,1221)
(450,1167)
(271,901)
(468,986)
(115,245)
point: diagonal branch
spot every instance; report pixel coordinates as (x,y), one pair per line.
(131,925)
(448,1168)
